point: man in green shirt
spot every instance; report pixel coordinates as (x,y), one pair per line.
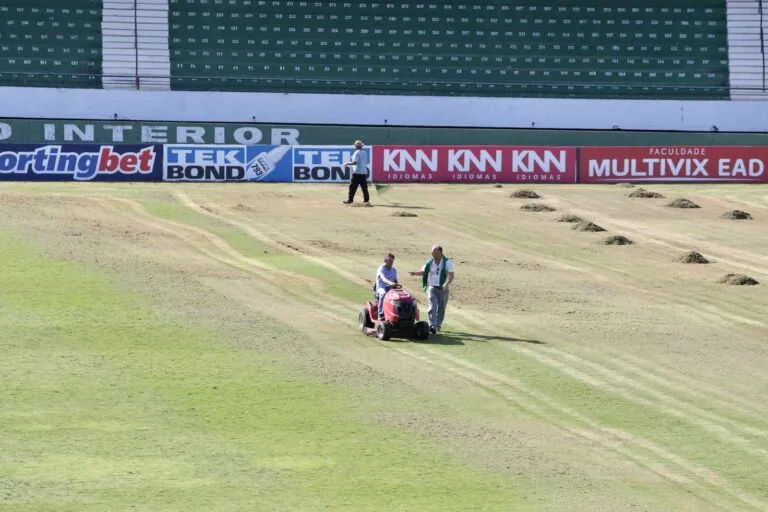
(437,276)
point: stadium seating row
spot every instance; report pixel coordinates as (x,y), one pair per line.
(576,48)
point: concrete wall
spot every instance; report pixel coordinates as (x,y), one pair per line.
(741,116)
(25,130)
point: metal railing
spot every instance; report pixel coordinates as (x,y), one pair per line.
(397,87)
(747,48)
(135,44)
(762,39)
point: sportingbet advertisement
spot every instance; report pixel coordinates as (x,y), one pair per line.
(81,162)
(222,162)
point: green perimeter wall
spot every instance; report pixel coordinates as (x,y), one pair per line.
(120,131)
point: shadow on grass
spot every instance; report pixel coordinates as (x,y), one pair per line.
(440,339)
(404,207)
(458,338)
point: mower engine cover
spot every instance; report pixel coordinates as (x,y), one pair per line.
(400,306)
(399,295)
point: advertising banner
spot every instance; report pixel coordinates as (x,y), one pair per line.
(80,162)
(227,162)
(324,164)
(302,164)
(474,164)
(670,164)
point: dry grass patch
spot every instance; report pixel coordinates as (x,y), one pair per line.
(537,207)
(641,192)
(617,240)
(693,257)
(736,215)
(683,203)
(737,280)
(590,227)
(524,194)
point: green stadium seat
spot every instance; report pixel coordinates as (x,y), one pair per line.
(46,44)
(574,48)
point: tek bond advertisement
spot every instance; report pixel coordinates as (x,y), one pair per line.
(267,163)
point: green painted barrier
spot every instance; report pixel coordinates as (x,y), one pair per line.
(25,131)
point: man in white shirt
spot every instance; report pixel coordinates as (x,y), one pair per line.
(386,278)
(437,276)
(359,176)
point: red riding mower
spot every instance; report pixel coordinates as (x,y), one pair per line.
(401,316)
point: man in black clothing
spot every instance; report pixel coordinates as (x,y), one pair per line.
(359,176)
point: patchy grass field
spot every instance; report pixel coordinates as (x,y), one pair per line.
(195,347)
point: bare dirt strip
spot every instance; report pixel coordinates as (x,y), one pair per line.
(613,377)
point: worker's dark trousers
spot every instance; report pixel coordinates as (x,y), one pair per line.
(360,180)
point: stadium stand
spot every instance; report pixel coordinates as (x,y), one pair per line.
(50,43)
(574,48)
(688,49)
(747,53)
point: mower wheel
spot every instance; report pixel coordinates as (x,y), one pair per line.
(364,320)
(383,331)
(422,330)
